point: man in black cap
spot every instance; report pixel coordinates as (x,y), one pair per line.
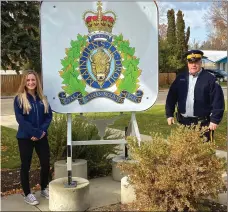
(198,96)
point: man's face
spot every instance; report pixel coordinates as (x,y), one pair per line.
(194,67)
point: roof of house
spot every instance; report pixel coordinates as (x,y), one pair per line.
(222,60)
(9,72)
(206,60)
(214,55)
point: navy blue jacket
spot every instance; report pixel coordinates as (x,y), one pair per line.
(34,123)
(208,96)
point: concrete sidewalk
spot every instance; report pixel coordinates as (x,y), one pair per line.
(9,121)
(103,192)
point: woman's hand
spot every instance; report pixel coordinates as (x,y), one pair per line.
(34,138)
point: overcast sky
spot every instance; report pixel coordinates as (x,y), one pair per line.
(193,16)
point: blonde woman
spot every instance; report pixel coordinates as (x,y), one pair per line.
(34,115)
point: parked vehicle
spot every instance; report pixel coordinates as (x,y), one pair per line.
(219,74)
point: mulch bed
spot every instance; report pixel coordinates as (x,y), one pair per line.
(10,181)
(214,207)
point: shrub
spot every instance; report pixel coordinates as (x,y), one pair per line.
(57,137)
(174,173)
(99,164)
(96,155)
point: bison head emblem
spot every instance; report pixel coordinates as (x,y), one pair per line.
(100,65)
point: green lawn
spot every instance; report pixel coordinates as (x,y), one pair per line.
(10,157)
(223,84)
(9,148)
(154,120)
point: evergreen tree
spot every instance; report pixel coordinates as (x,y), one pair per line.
(171,31)
(187,39)
(163,57)
(173,47)
(180,32)
(20,39)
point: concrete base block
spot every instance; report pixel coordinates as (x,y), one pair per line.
(222,197)
(117,175)
(69,199)
(224,177)
(127,191)
(79,169)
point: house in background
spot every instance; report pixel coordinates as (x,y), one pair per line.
(222,64)
(215,59)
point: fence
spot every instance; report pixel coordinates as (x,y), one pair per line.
(166,78)
(10,83)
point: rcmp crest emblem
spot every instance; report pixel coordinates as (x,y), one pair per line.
(101,61)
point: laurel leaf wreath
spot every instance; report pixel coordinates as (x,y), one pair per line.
(70,70)
(131,72)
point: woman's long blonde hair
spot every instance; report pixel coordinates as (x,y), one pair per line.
(22,93)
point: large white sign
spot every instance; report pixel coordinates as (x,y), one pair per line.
(99,57)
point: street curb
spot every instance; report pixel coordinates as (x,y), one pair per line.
(7,97)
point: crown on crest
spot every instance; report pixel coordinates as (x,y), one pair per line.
(99,21)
